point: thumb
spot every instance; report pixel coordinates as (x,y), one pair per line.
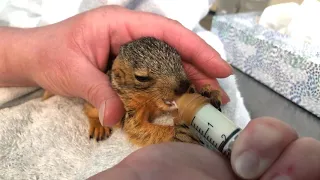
(259,146)
(95,87)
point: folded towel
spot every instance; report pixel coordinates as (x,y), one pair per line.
(49,140)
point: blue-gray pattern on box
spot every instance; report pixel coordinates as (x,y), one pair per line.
(290,68)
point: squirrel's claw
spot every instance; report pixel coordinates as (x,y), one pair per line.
(183,134)
(213,95)
(98,132)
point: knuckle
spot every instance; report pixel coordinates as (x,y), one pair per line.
(175,22)
(92,92)
(269,125)
(106,11)
(307,143)
(113,7)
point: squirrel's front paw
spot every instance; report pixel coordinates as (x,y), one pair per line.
(97,131)
(182,133)
(213,95)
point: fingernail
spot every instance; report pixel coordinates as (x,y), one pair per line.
(101,112)
(229,65)
(282,177)
(232,69)
(225,98)
(249,165)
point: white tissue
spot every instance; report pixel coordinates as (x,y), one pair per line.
(298,21)
(279,16)
(305,24)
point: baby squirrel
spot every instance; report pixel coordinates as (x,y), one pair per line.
(148,76)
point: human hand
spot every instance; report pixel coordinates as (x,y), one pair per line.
(270,149)
(170,161)
(71,54)
(267,148)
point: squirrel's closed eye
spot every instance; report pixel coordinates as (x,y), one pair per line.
(142,78)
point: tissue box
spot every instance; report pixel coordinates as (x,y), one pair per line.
(290,68)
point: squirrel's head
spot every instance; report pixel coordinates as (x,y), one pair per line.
(149,70)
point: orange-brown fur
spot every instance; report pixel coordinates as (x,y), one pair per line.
(143,100)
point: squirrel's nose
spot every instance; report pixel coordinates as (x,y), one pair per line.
(182,87)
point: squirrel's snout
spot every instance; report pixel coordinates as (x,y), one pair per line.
(182,87)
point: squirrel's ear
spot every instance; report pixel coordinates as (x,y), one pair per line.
(118,73)
(144,72)
(119,76)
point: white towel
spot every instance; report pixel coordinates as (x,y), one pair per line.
(49,140)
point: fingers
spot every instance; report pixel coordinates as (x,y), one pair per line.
(259,145)
(97,90)
(199,79)
(191,47)
(300,160)
(195,50)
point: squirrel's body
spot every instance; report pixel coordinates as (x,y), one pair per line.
(148,76)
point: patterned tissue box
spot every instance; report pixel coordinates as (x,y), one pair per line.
(290,68)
